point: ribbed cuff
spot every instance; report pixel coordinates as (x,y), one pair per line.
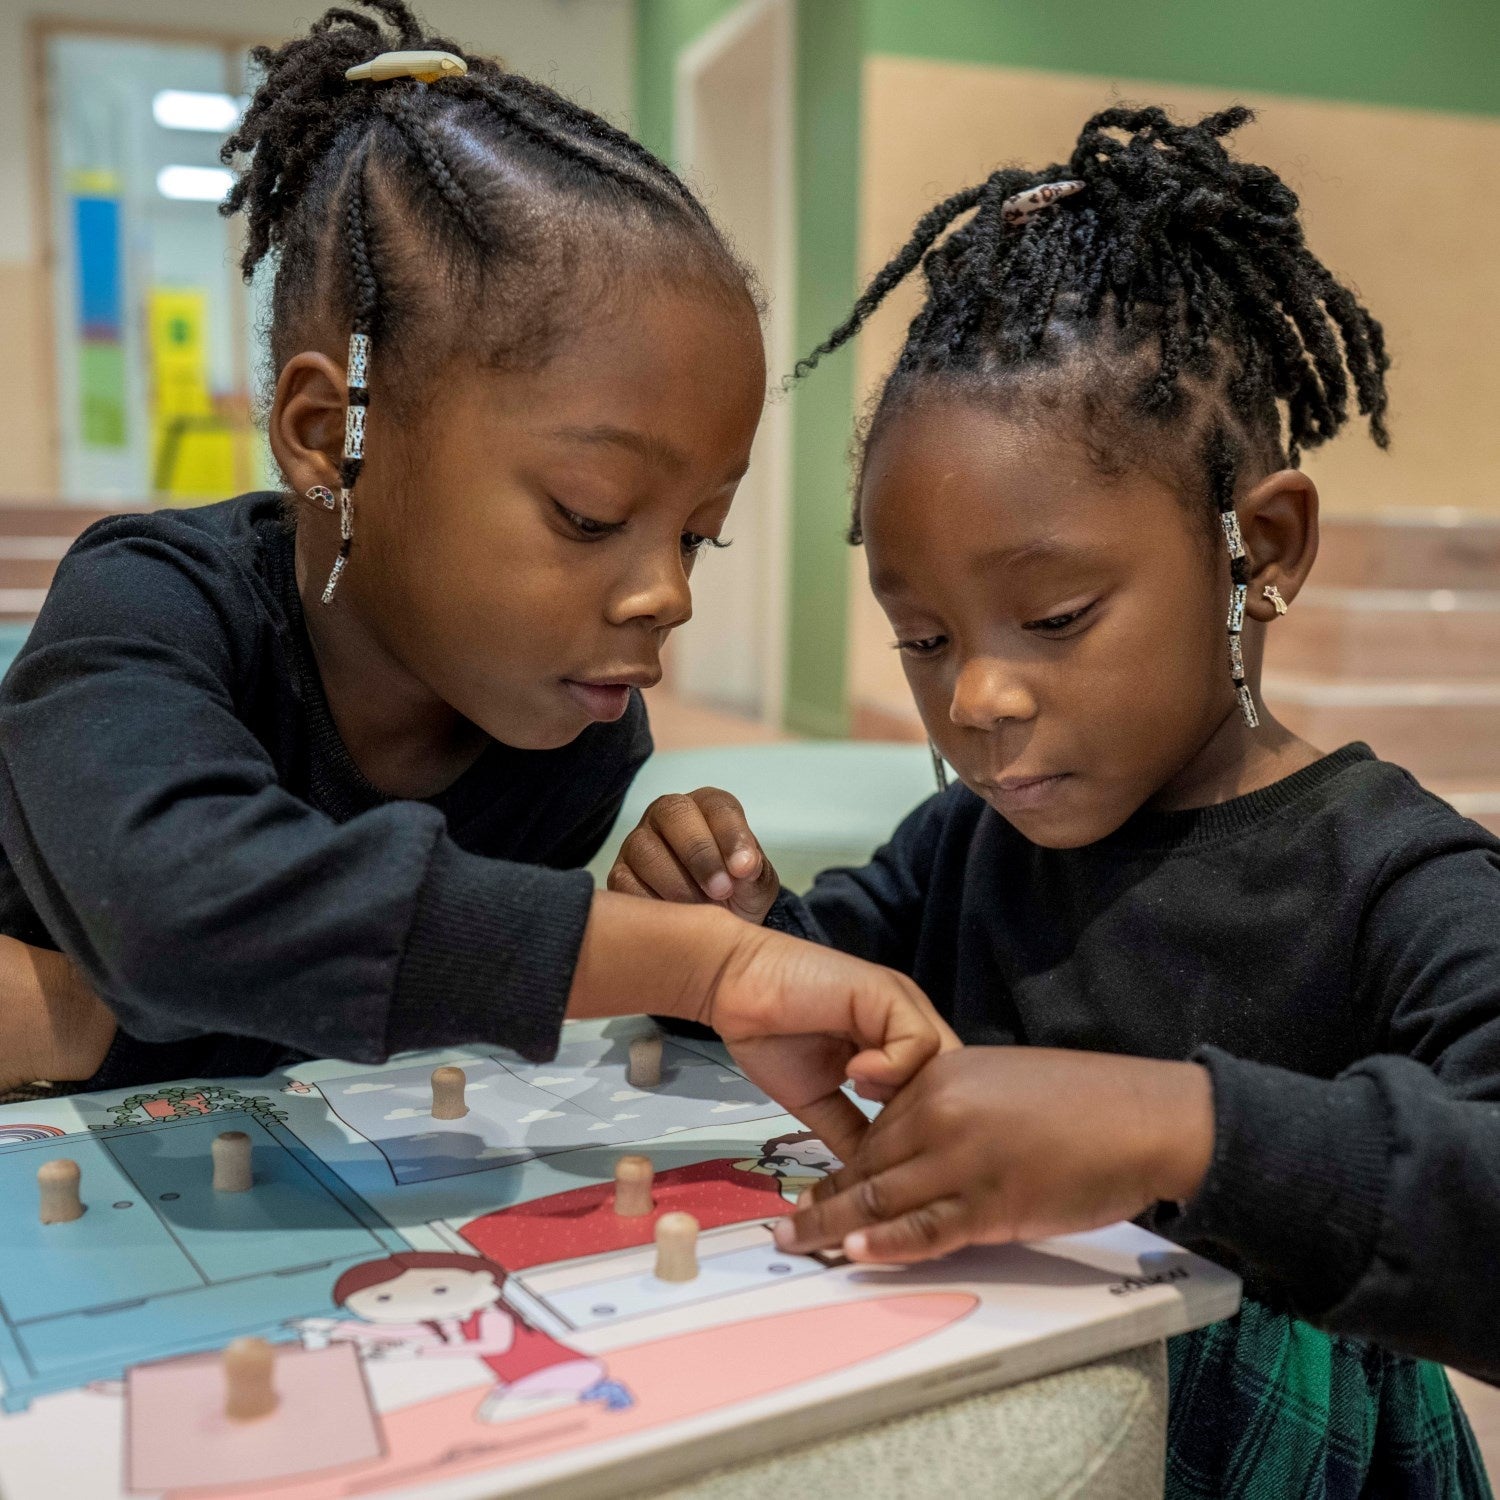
(490,955)
(789,914)
(1297,1184)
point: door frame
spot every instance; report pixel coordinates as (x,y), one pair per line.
(780,285)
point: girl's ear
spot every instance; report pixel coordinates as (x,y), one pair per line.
(1279,522)
(306,430)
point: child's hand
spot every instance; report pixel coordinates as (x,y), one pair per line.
(993,1144)
(800,1020)
(697,847)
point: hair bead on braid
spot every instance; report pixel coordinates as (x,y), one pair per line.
(395,204)
(1166,285)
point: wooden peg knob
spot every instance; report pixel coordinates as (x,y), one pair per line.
(633,1177)
(232,1166)
(57,1181)
(448,1086)
(249,1390)
(644,1068)
(676,1247)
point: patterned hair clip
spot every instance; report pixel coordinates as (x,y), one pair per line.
(1020,206)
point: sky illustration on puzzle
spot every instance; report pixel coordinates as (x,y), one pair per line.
(515,1114)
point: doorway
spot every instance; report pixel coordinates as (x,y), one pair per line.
(733,139)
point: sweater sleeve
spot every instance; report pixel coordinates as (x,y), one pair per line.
(874,912)
(1372,1201)
(148,828)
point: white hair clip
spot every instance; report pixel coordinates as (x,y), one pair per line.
(426,66)
(1020,206)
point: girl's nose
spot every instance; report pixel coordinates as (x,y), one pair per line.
(988,691)
(656,594)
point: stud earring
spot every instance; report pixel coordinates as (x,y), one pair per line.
(323,495)
(1271,592)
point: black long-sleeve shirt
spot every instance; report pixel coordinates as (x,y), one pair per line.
(1328,946)
(180,817)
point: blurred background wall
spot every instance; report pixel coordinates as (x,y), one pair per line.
(818,130)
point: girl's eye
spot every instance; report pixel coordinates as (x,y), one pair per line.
(693,542)
(928,646)
(586,525)
(1054,624)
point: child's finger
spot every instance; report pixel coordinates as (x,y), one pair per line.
(836,1121)
(741,850)
(936,1228)
(895,1040)
(623,881)
(652,866)
(680,824)
(872,1199)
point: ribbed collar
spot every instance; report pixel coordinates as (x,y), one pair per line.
(1148,830)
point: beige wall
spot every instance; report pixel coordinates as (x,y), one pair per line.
(1405,204)
(584,47)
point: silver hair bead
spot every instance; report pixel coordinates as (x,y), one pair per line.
(359,361)
(1236,658)
(333,579)
(1231,524)
(346,516)
(354,432)
(1237,609)
(1247,708)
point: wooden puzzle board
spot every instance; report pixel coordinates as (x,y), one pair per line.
(564,1365)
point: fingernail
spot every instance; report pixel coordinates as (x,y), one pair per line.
(720,887)
(742,861)
(783,1234)
(856,1245)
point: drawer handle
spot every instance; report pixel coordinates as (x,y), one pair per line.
(113,1307)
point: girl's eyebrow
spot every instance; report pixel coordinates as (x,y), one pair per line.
(644,445)
(1044,549)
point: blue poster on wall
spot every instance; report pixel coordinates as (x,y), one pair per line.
(100,292)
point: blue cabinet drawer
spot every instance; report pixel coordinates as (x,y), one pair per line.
(104,1343)
(118,1249)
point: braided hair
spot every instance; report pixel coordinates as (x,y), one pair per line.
(1174,289)
(482,209)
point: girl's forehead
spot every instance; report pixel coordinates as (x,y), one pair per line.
(419,1277)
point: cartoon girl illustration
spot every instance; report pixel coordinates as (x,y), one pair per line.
(798,1159)
(430,1304)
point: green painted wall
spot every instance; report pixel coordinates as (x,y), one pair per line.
(1426,54)
(830,50)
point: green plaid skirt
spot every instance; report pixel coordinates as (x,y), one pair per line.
(1266,1407)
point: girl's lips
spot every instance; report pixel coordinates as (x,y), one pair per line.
(603,702)
(1016,794)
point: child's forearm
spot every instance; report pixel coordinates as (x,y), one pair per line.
(52,1025)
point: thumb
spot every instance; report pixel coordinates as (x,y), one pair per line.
(754,897)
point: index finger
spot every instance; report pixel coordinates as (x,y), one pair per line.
(726,819)
(678,821)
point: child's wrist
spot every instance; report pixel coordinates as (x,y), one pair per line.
(1187,1132)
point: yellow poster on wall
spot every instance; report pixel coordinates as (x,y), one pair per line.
(193,449)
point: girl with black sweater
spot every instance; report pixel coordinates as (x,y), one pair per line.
(1258,986)
(314,773)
